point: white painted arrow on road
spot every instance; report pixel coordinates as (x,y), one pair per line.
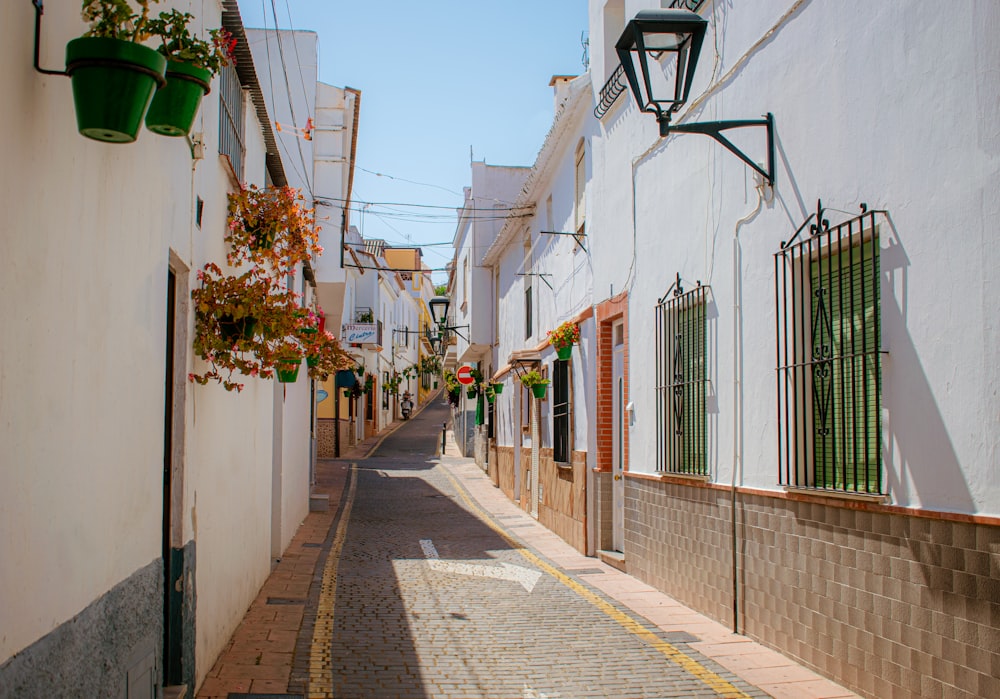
(526,577)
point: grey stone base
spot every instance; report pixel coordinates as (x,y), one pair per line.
(91,654)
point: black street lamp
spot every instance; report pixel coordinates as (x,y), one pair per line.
(659,53)
(439,306)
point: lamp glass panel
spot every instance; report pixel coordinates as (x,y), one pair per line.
(655,41)
(661,77)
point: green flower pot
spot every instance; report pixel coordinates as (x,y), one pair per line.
(490,397)
(470,393)
(176,104)
(288,370)
(538,390)
(312,360)
(232,329)
(113,83)
(564,353)
(498,388)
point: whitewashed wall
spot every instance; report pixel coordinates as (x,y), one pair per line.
(868,108)
(85,242)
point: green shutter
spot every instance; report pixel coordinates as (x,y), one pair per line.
(845,347)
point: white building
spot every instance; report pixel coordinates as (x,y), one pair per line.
(810,450)
(543,271)
(119,476)
(473,287)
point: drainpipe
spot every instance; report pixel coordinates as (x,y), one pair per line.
(738,394)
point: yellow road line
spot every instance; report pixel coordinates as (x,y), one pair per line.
(320,662)
(716,683)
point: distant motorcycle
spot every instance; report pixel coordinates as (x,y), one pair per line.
(406,407)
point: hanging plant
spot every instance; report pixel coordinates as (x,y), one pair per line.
(271,226)
(394,381)
(113,75)
(241,321)
(536,383)
(563,338)
(191,63)
(326,356)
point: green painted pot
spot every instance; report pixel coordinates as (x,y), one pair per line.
(471,393)
(312,360)
(497,388)
(176,104)
(113,83)
(564,353)
(232,329)
(538,390)
(288,370)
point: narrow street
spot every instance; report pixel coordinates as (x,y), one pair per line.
(433,601)
(425,586)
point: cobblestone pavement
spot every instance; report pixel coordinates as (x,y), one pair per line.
(433,601)
(423,580)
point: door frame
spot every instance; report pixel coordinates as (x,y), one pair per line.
(618,397)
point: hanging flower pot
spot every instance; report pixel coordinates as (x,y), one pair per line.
(288,369)
(175,105)
(470,393)
(564,353)
(312,360)
(539,390)
(490,397)
(113,83)
(232,329)
(497,388)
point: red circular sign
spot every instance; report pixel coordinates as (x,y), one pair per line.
(464,375)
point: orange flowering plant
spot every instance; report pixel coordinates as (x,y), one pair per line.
(240,320)
(271,226)
(565,335)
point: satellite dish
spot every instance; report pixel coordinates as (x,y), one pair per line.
(321,395)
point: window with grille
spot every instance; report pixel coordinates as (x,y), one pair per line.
(231,119)
(561,411)
(681,382)
(829,362)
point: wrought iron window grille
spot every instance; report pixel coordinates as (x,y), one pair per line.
(682,380)
(828,342)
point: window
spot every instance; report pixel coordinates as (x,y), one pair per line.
(527,289)
(561,447)
(681,381)
(231,119)
(527,308)
(829,365)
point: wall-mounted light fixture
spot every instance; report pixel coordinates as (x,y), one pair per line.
(659,53)
(439,306)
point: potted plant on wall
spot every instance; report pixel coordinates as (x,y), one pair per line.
(563,338)
(240,322)
(270,225)
(326,356)
(538,385)
(114,76)
(191,63)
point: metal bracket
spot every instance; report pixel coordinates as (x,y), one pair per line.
(715,129)
(576,237)
(540,275)
(39,11)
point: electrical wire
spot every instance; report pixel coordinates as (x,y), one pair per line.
(402,179)
(291,102)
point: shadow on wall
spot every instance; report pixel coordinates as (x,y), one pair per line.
(917,452)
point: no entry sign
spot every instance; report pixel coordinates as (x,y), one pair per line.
(464,375)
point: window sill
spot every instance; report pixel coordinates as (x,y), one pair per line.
(698,477)
(563,465)
(838,495)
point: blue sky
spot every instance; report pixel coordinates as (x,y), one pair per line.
(436,78)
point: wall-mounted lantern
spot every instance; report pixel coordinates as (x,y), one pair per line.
(659,53)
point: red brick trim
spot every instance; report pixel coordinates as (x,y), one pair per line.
(819,499)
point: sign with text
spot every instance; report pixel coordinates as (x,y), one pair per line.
(360,333)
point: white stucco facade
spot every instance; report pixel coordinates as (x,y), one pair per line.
(90,234)
(890,123)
